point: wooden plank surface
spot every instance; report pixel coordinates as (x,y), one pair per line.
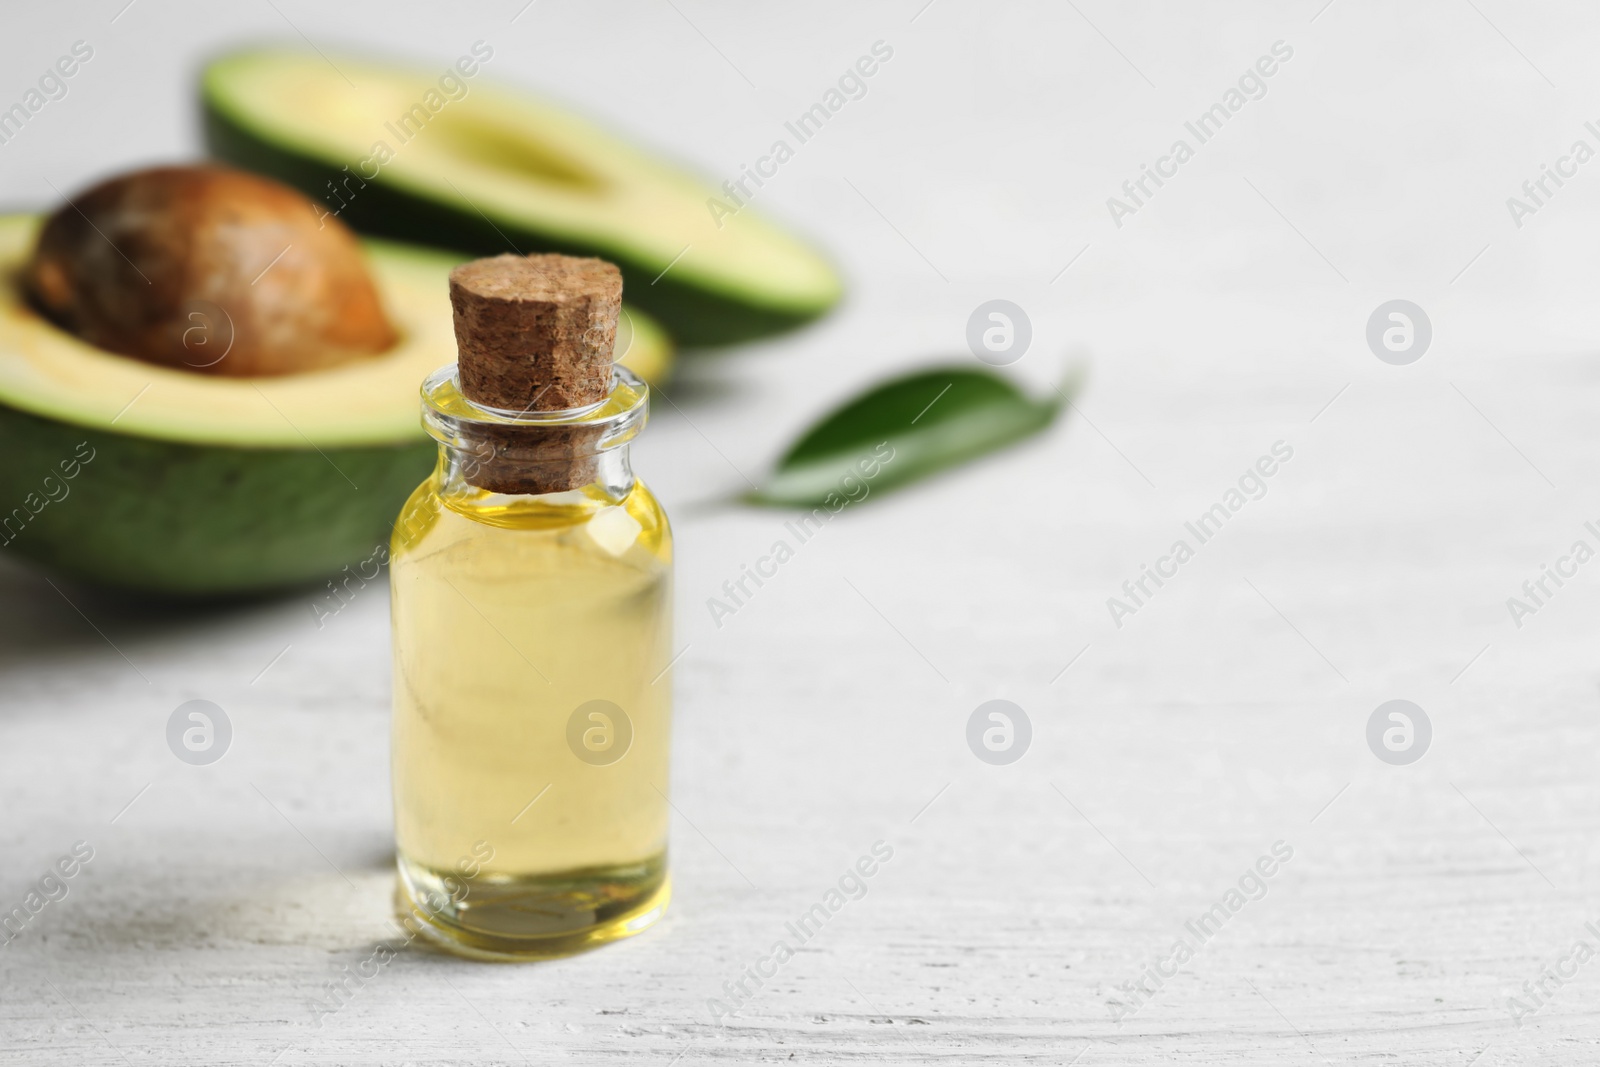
(1228,713)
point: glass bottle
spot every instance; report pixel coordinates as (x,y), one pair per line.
(532,702)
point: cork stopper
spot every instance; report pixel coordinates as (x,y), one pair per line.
(535,334)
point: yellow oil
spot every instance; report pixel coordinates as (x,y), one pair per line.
(512,616)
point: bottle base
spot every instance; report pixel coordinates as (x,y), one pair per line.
(509,919)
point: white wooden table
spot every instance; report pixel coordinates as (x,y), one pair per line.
(830,713)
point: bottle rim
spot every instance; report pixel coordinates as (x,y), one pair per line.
(450,417)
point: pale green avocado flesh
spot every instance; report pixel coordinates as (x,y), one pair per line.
(127,474)
(464,164)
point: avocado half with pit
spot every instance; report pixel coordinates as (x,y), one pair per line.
(448,160)
(146,477)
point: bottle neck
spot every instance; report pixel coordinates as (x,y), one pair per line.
(487,455)
(461,468)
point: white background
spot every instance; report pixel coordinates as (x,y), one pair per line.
(1223,317)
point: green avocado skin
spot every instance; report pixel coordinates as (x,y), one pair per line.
(196,520)
(691,315)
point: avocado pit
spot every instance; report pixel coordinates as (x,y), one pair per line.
(209,270)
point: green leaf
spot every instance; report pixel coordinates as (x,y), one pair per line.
(905,429)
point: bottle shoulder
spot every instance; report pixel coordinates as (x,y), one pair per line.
(586,519)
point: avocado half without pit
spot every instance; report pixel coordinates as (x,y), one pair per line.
(208,387)
(455,161)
